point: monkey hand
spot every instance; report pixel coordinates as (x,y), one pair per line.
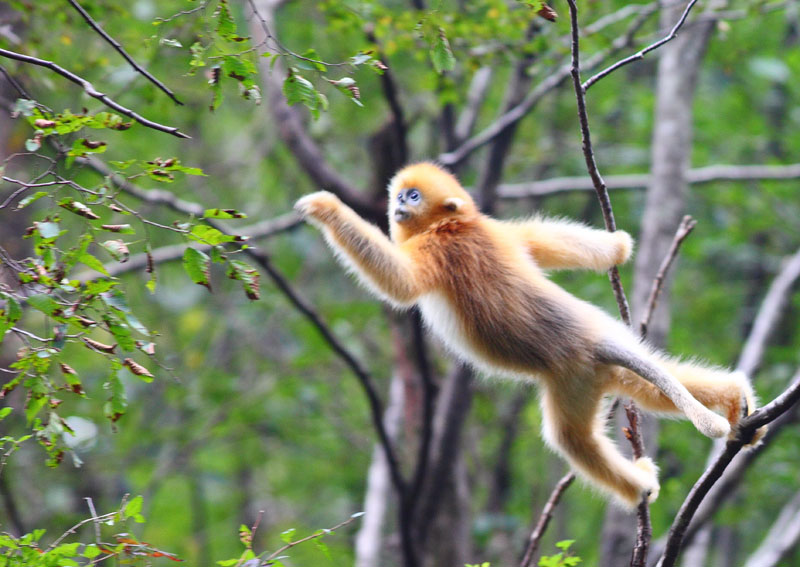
(318,206)
(624,246)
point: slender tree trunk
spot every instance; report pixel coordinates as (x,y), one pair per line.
(370,538)
(665,205)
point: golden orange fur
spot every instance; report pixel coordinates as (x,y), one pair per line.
(480,285)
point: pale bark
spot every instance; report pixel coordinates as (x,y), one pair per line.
(370,537)
(782,538)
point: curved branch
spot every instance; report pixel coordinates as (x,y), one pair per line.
(746,430)
(92,92)
(639,55)
(545,517)
(552,81)
(115,44)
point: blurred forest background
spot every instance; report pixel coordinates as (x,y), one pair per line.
(254,384)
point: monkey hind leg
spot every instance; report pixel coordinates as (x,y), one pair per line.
(594,456)
(729,393)
(651,368)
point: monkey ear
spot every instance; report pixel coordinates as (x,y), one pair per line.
(453,203)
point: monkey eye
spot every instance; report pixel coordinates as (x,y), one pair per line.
(413,195)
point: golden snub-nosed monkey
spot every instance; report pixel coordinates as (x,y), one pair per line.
(480,285)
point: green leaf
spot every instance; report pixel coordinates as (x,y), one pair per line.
(93,263)
(287,535)
(118,250)
(210,235)
(198,266)
(121,333)
(30,199)
(248,275)
(44,303)
(78,208)
(4,412)
(441,54)
(133,507)
(91,551)
(565,544)
(223,214)
(226,26)
(297,88)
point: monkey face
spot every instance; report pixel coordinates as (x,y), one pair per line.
(422,195)
(407,201)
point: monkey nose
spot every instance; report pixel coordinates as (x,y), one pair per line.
(401,213)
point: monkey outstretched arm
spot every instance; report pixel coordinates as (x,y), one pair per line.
(362,247)
(562,244)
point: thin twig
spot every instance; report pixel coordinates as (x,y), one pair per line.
(544,518)
(644,527)
(684,229)
(320,533)
(92,92)
(14,83)
(552,81)
(641,53)
(115,44)
(591,164)
(93,512)
(746,429)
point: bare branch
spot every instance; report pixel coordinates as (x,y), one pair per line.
(591,165)
(92,92)
(695,176)
(685,228)
(769,315)
(746,429)
(544,518)
(478,88)
(639,55)
(115,44)
(725,487)
(549,83)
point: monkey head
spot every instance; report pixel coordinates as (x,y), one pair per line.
(422,195)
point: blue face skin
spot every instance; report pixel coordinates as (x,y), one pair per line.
(406,198)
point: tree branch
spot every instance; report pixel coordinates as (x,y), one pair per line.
(639,181)
(92,92)
(769,315)
(263,260)
(549,83)
(685,228)
(746,429)
(591,164)
(263,229)
(115,44)
(641,53)
(544,518)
